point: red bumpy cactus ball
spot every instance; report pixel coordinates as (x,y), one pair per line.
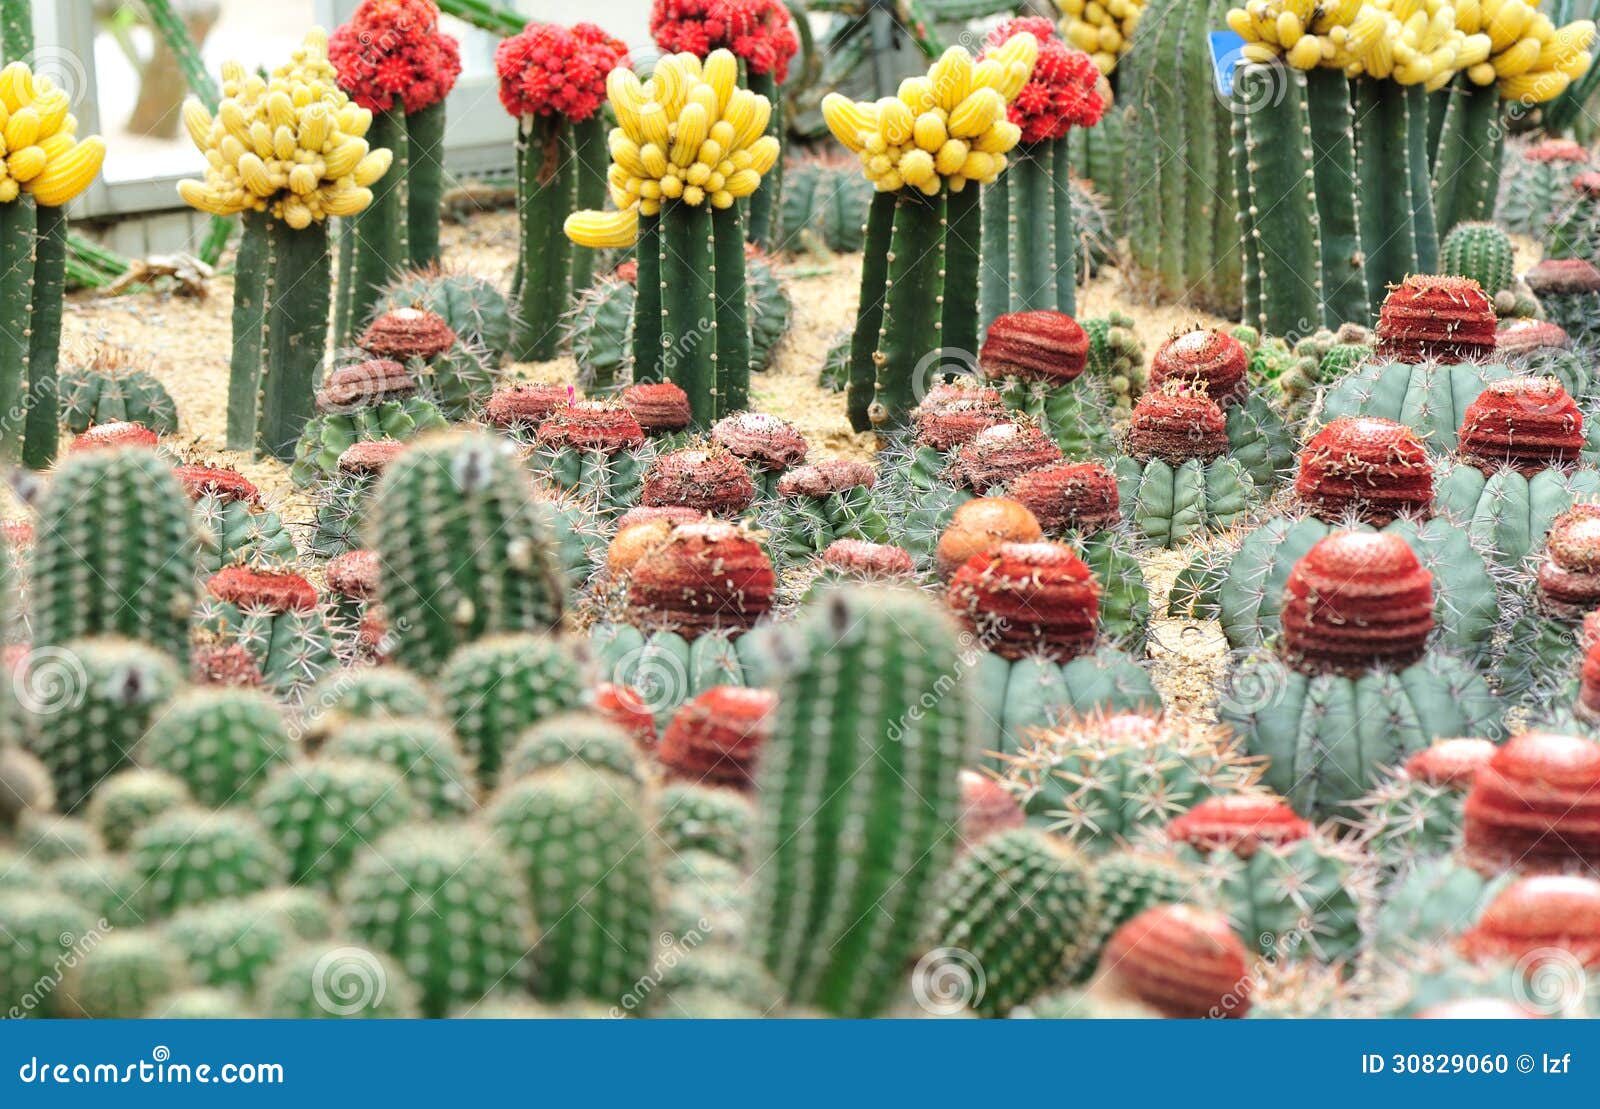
(980,526)
(1079,496)
(1240,823)
(1175,424)
(712,480)
(1446,319)
(524,406)
(1569,573)
(1371,467)
(406,333)
(548,70)
(1204,357)
(1037,345)
(717,737)
(1527,423)
(1451,762)
(394,50)
(1181,961)
(997,454)
(702,577)
(953,413)
(591,426)
(1536,806)
(1535,915)
(221,482)
(1027,599)
(756,31)
(271,590)
(1357,599)
(658,405)
(1063,92)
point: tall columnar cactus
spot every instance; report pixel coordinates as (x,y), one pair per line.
(114,552)
(585,853)
(553,81)
(759,34)
(858,808)
(926,151)
(1029,231)
(462,548)
(447,905)
(1182,239)
(690,144)
(287,151)
(45,167)
(90,703)
(221,743)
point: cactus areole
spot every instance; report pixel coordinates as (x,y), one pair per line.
(1357,600)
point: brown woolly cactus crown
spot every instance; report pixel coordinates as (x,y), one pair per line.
(1240,823)
(980,526)
(407,333)
(1524,336)
(658,405)
(836,475)
(1569,572)
(1536,806)
(857,556)
(717,737)
(987,807)
(354,575)
(999,453)
(710,479)
(1357,600)
(362,384)
(1029,599)
(370,456)
(1038,345)
(1205,358)
(1175,424)
(764,441)
(1430,317)
(275,591)
(1183,962)
(1373,468)
(224,664)
(591,426)
(525,405)
(954,412)
(702,577)
(1078,496)
(1563,277)
(1451,762)
(1528,423)
(1537,915)
(118,433)
(221,482)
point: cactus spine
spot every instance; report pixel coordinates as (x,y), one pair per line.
(858,797)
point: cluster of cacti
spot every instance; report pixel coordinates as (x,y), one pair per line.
(105,387)
(276,617)
(375,399)
(1535,182)
(1035,358)
(287,151)
(46,165)
(927,151)
(395,62)
(690,143)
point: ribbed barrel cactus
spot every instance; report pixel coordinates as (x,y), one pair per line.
(371,400)
(234,523)
(107,387)
(1178,476)
(277,618)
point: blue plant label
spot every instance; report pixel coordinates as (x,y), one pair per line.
(1225,50)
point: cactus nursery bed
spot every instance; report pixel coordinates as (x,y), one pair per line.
(966,565)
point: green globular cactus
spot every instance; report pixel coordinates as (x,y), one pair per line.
(584,738)
(835,373)
(1406,821)
(1569,294)
(1116,357)
(665,669)
(595,452)
(42,929)
(579,533)
(373,693)
(1174,504)
(303,913)
(824,205)
(1131,881)
(221,743)
(321,813)
(103,884)
(1432,903)
(1468,155)
(1399,235)
(227,944)
(448,905)
(1431,398)
(90,703)
(495,688)
(123,975)
(128,800)
(768,311)
(462,549)
(366,401)
(855,781)
(1017,695)
(473,306)
(1027,218)
(1575,230)
(114,552)
(105,389)
(336,981)
(233,523)
(49,839)
(277,618)
(582,848)
(191,857)
(818,505)
(343,498)
(1024,905)
(1183,241)
(1535,183)
(701,819)
(423,752)
(1481,251)
(201,1003)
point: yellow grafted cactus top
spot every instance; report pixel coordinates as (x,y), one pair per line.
(945,129)
(291,144)
(688,134)
(40,153)
(1424,42)
(1102,29)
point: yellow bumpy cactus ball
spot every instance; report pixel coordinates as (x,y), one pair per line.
(1528,57)
(292,144)
(1102,29)
(40,153)
(688,134)
(942,130)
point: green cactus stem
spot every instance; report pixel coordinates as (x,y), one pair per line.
(322,813)
(962,266)
(869,313)
(1344,292)
(423,186)
(18,224)
(252,272)
(664,669)
(42,426)
(296,336)
(1095,155)
(731,392)
(221,743)
(1466,168)
(1031,265)
(377,238)
(1398,236)
(764,203)
(16,28)
(823,205)
(499,686)
(592,157)
(1015,697)
(547,187)
(1173,504)
(913,285)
